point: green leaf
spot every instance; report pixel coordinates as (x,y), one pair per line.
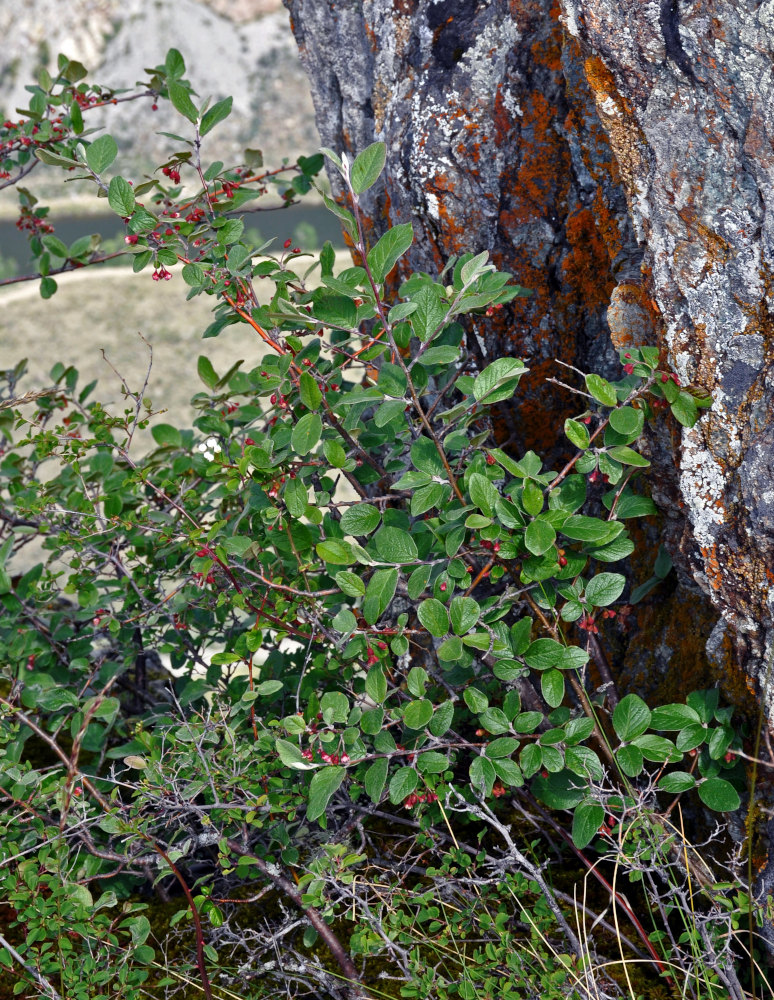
(657,748)
(367,166)
(385,254)
(464,613)
(629,759)
(586,821)
(482,775)
(508,771)
(142,221)
(559,790)
(55,246)
(335,310)
(418,581)
(604,588)
(498,380)
(309,391)
(427,497)
(207,373)
(376,684)
(416,681)
(375,779)
(494,720)
(193,275)
(425,457)
(434,617)
(350,584)
(628,456)
(442,719)
(432,762)
(526,722)
(620,548)
(578,730)
(539,536)
(360,519)
(476,700)
(306,434)
(296,497)
(402,784)
(174,64)
(577,433)
(673,717)
(443,355)
(181,100)
(76,117)
(584,762)
(418,713)
(449,651)
(371,721)
(531,759)
(380,592)
(719,795)
(54,159)
(291,756)
(430,311)
(677,781)
(321,789)
(552,687)
(532,498)
(627,420)
(101,153)
(691,737)
(601,390)
(395,545)
(719,742)
(217,113)
(482,493)
(686,412)
(336,551)
(341,213)
(631,717)
(392,380)
(502,747)
(543,654)
(591,529)
(166,435)
(140,928)
(230,231)
(121,197)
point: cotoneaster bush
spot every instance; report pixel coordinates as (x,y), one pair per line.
(323,667)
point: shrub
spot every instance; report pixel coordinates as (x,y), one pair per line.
(326,669)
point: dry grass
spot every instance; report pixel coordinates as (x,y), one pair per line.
(106,310)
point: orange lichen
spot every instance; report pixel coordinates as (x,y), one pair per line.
(586,266)
(712,567)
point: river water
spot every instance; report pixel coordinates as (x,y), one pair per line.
(308,226)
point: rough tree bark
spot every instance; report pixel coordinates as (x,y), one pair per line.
(619,159)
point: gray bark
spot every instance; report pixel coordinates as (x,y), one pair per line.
(618,159)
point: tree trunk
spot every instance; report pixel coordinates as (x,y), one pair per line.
(619,164)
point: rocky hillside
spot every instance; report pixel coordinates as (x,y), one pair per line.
(239,47)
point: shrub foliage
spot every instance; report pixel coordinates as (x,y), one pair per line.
(326,671)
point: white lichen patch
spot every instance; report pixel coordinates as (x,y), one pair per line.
(702,485)
(608,107)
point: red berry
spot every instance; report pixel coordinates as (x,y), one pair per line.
(287,243)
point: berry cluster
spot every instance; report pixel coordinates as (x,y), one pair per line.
(411,800)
